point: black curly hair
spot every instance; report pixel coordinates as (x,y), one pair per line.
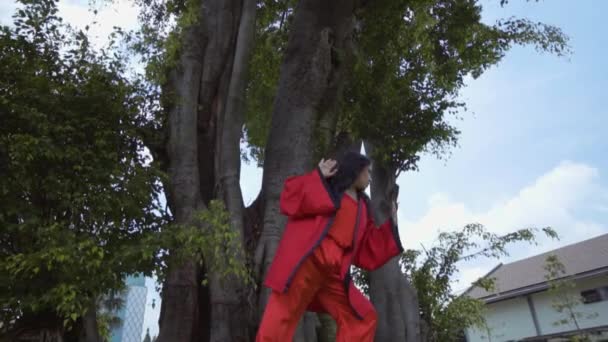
(349,166)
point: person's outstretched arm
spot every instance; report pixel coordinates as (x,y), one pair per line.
(379,244)
(309,194)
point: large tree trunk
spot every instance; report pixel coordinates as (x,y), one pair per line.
(205,123)
(391,293)
(311,77)
(41,327)
(180,314)
(229,312)
(327,329)
(90,329)
(343,143)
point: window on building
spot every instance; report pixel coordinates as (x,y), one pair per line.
(595,295)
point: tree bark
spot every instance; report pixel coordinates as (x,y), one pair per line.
(343,143)
(180,314)
(327,328)
(310,82)
(229,312)
(90,329)
(41,327)
(391,293)
(205,123)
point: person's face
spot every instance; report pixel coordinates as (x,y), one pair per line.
(362,181)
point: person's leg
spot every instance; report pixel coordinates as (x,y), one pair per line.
(284,310)
(334,299)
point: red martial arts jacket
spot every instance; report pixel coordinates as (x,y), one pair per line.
(310,206)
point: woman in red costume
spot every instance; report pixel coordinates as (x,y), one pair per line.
(329,228)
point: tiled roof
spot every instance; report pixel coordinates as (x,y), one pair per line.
(579,259)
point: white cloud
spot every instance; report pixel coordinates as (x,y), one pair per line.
(120,13)
(551,200)
(7,8)
(79,14)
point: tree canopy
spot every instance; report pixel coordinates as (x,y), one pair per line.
(412,60)
(80,197)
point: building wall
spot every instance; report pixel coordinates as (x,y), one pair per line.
(507,320)
(132,314)
(547,315)
(511,320)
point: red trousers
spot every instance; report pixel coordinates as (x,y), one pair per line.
(318,279)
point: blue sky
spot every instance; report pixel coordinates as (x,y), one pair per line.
(533,147)
(532,150)
(527,114)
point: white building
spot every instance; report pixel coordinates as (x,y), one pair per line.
(132,313)
(520,308)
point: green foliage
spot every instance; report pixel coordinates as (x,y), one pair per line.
(108,306)
(566,299)
(210,240)
(158,45)
(186,18)
(432,272)
(413,58)
(221,246)
(580,338)
(158,41)
(504,2)
(79,209)
(272,29)
(105,323)
(361,279)
(79,197)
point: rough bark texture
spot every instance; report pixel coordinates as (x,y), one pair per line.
(180,314)
(42,327)
(205,123)
(343,143)
(327,328)
(311,77)
(229,311)
(392,295)
(307,329)
(90,329)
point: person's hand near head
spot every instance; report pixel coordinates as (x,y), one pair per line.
(328,167)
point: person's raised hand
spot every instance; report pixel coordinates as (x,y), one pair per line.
(328,167)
